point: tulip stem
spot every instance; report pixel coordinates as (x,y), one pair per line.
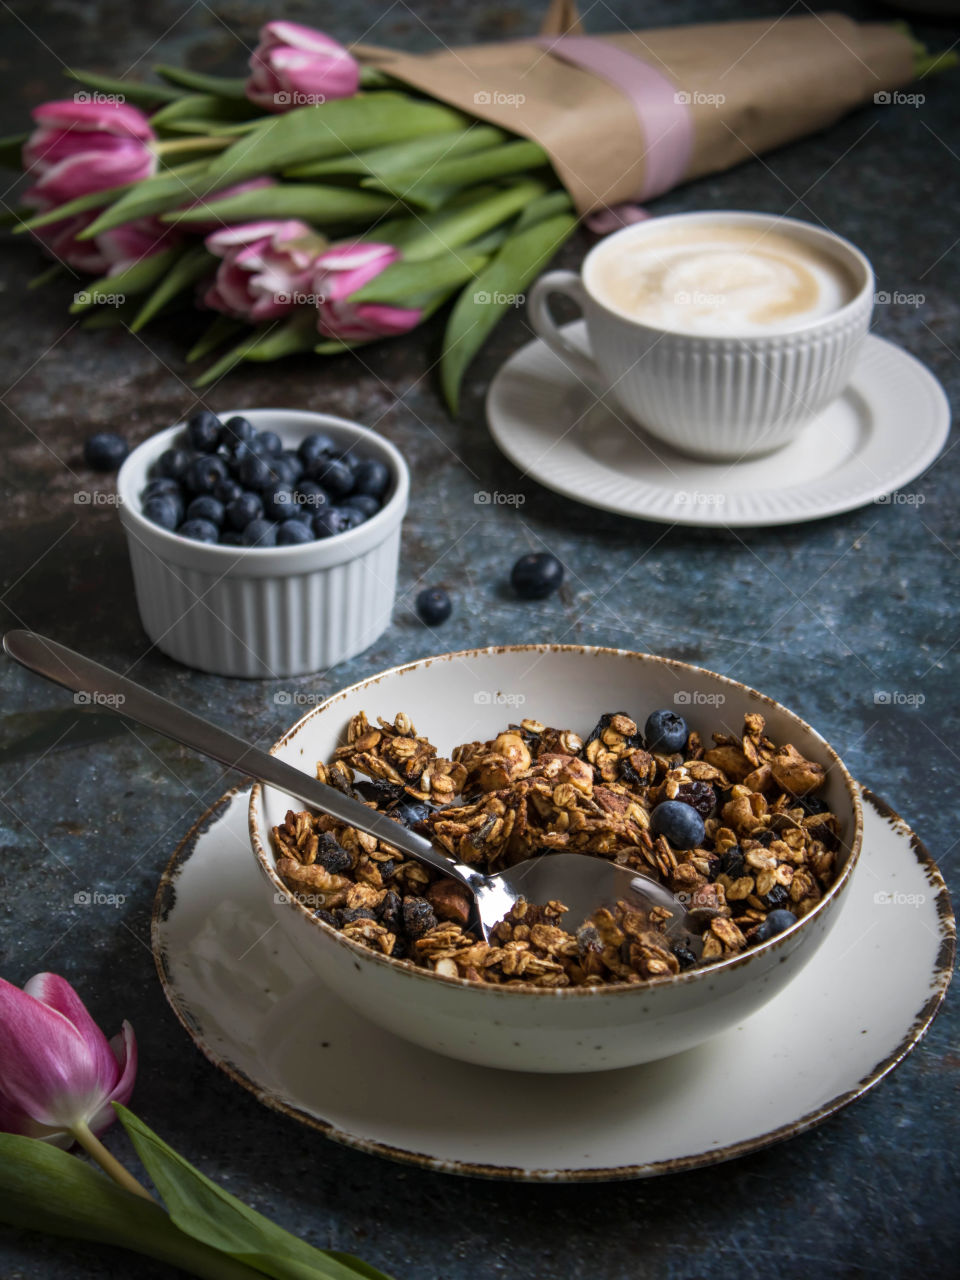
(172,146)
(109,1163)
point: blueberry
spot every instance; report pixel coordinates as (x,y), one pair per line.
(362,502)
(237,431)
(410,812)
(309,496)
(330,521)
(433,606)
(288,466)
(206,507)
(162,485)
(665,732)
(680,823)
(268,444)
(164,509)
(776,922)
(254,472)
(352,517)
(537,575)
(199,530)
(335,476)
(226,491)
(205,473)
(278,503)
(685,957)
(260,533)
(203,431)
(239,513)
(105,451)
(315,446)
(293,532)
(173,464)
(371,478)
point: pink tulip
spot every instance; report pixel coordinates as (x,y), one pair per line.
(265,265)
(295,66)
(109,253)
(341,271)
(80,147)
(58,1072)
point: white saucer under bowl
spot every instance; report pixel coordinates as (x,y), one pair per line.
(247,999)
(888,426)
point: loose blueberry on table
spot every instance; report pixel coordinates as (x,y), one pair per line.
(433,606)
(227,483)
(536,576)
(105,451)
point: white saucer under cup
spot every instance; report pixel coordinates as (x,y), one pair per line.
(251,1005)
(883,431)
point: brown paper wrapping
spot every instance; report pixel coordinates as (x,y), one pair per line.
(780,80)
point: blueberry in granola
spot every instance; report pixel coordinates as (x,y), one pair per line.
(679,823)
(776,922)
(665,732)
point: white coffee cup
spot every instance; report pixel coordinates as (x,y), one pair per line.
(718,397)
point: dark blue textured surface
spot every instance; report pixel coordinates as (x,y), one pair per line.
(822,616)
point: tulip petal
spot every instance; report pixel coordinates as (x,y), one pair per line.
(51,1070)
(294,34)
(107,117)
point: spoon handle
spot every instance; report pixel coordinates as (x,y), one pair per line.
(113,692)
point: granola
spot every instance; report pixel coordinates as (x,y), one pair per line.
(768,854)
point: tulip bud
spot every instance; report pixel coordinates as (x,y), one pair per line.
(341,271)
(295,66)
(58,1071)
(266,270)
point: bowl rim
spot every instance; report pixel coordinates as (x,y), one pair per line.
(573,992)
(298,555)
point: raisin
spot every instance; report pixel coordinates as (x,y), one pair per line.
(698,795)
(383,794)
(604,723)
(386,869)
(685,957)
(349,914)
(811,805)
(327,917)
(732,864)
(388,912)
(332,856)
(766,838)
(777,897)
(418,917)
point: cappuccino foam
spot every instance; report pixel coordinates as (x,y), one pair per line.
(720,280)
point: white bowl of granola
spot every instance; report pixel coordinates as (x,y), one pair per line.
(506,752)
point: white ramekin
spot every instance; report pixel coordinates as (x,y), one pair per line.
(266,611)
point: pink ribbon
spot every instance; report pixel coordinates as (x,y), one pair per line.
(661,111)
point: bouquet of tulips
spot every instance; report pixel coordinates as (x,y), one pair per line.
(323,202)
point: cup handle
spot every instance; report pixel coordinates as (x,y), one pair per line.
(545,327)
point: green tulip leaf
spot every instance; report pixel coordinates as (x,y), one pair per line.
(431,187)
(313,203)
(474,215)
(45,1189)
(418,152)
(497,288)
(405,280)
(218,1219)
(136,279)
(196,263)
(145,95)
(347,124)
(215,86)
(202,108)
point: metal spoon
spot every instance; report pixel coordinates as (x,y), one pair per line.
(582,882)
